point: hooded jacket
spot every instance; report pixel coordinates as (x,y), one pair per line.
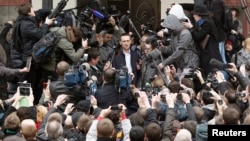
(182,50)
(66,46)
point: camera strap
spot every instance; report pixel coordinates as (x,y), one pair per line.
(70,34)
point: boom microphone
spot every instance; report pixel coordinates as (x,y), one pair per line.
(154,54)
(217,64)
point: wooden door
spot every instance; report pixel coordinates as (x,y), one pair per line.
(145,11)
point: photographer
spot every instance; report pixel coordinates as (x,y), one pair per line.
(103,127)
(182,50)
(7,72)
(149,63)
(107,39)
(95,71)
(65,50)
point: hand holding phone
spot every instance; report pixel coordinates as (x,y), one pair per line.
(116,107)
(24,88)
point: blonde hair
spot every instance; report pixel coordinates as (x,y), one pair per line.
(41,111)
(246,42)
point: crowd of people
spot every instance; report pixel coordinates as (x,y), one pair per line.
(165,86)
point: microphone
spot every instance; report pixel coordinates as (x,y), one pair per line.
(219,65)
(94,78)
(154,54)
(98,14)
(86,66)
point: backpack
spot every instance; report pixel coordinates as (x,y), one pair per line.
(42,49)
(16,37)
(227,19)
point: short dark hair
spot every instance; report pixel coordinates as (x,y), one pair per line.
(174,86)
(109,75)
(153,132)
(136,119)
(124,34)
(231,116)
(114,116)
(237,12)
(187,82)
(206,97)
(231,96)
(136,133)
(93,54)
(24,9)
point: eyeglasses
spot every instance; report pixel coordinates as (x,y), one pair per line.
(148,49)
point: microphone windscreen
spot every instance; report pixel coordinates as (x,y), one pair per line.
(86,66)
(217,64)
(94,78)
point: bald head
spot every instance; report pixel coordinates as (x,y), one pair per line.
(62,67)
(183,135)
(53,129)
(28,129)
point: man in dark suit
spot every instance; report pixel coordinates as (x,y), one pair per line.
(127,57)
(108,95)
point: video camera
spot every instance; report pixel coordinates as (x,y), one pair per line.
(60,6)
(100,16)
(166,37)
(122,78)
(76,75)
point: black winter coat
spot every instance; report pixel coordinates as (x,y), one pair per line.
(27,28)
(211,50)
(119,61)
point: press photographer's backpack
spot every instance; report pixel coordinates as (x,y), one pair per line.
(42,49)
